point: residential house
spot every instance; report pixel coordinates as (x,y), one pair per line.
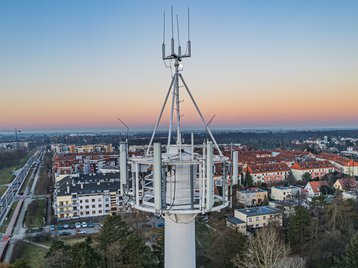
(313,188)
(252,196)
(258,217)
(345,184)
(285,192)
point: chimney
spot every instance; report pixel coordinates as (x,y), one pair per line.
(68,187)
(81,185)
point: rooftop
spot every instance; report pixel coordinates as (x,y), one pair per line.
(257,211)
(234,220)
(88,184)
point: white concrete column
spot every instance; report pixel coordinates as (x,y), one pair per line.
(180,241)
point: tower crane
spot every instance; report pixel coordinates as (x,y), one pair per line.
(16,132)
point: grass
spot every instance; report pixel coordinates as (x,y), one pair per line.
(2,190)
(34,255)
(6,173)
(8,217)
(35,214)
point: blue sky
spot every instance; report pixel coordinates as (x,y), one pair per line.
(79,64)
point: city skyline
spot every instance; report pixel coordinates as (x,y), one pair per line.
(255,64)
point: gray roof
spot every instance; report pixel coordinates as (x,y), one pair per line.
(97,183)
(234,220)
(257,211)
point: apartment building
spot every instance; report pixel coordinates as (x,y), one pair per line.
(252,196)
(341,164)
(268,173)
(285,192)
(316,169)
(87,196)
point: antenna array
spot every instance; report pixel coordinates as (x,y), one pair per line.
(176,55)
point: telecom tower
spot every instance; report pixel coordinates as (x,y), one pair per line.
(173,181)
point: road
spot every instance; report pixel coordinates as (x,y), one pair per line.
(11,195)
(12,191)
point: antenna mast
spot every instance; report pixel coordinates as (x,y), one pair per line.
(175,86)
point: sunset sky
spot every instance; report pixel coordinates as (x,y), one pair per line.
(255,64)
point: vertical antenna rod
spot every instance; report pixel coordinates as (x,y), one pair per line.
(172,41)
(163,45)
(179,47)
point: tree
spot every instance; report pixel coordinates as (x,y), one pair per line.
(84,256)
(249,182)
(265,250)
(20,263)
(307,176)
(59,255)
(298,229)
(122,247)
(291,179)
(350,258)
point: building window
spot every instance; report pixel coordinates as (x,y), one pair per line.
(93,206)
(99,211)
(93,212)
(99,199)
(264,217)
(87,212)
(81,207)
(99,205)
(250,219)
(61,203)
(257,225)
(86,200)
(257,218)
(87,206)
(93,200)
(81,201)
(107,205)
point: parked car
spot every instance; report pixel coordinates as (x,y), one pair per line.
(59,227)
(72,226)
(78,225)
(52,227)
(65,233)
(81,232)
(90,225)
(84,224)
(66,226)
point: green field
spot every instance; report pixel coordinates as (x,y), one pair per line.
(8,218)
(34,255)
(35,214)
(6,173)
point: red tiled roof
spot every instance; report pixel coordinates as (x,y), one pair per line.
(280,167)
(315,185)
(311,165)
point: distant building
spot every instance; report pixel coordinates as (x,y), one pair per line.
(340,163)
(345,184)
(252,197)
(314,168)
(268,173)
(313,188)
(285,192)
(287,206)
(87,196)
(350,195)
